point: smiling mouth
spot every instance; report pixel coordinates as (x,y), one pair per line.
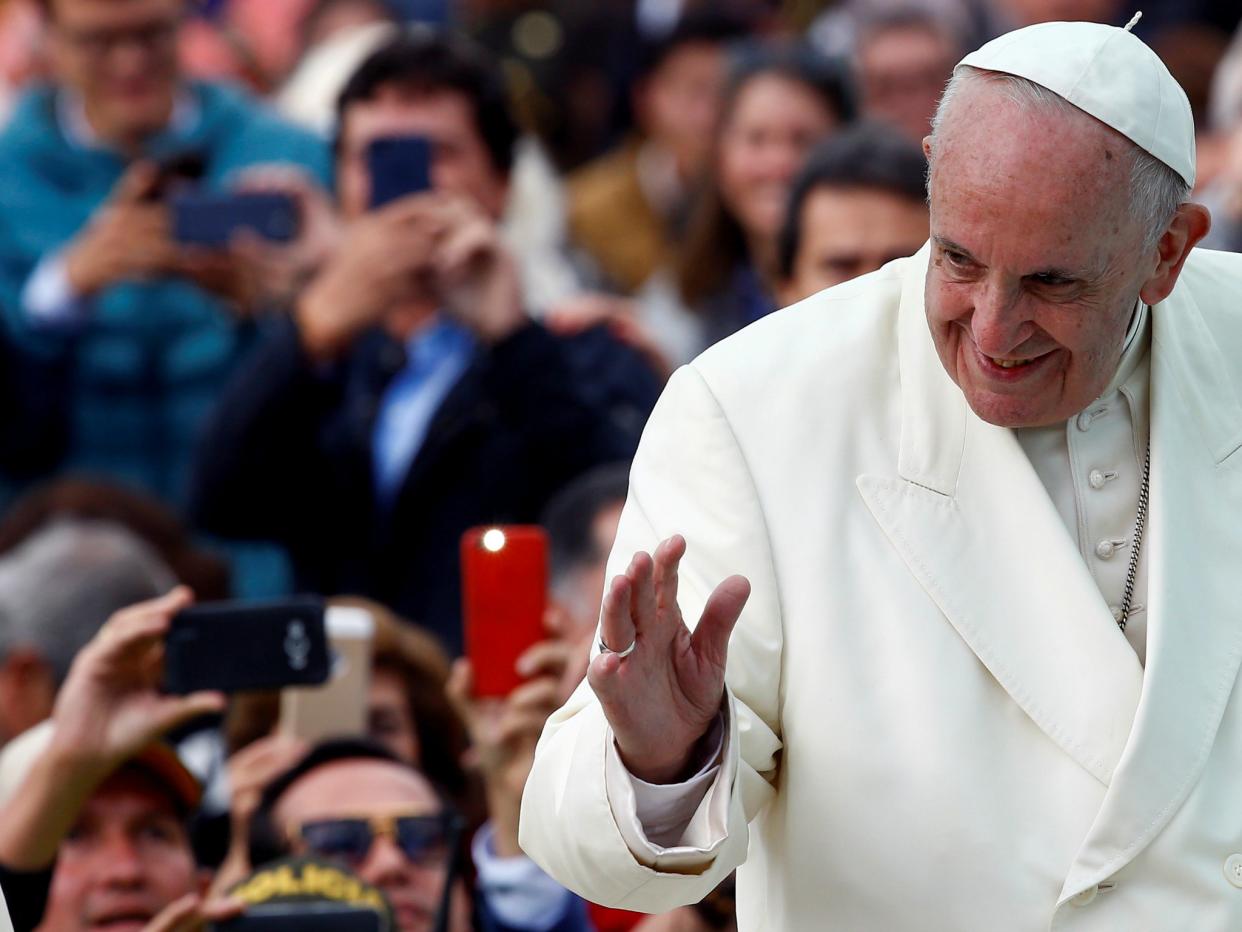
(1012,363)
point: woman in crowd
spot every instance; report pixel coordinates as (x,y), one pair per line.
(778,105)
(779,102)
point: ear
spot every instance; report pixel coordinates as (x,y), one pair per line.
(1188,226)
(927,148)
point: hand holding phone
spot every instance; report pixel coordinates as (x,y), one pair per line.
(504,596)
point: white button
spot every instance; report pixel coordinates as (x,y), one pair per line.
(1116,610)
(1084,421)
(1096,478)
(1233,869)
(1086,898)
(1105,549)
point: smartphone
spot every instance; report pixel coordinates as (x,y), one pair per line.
(339,706)
(504,572)
(304,917)
(179,171)
(232,646)
(212,219)
(397,166)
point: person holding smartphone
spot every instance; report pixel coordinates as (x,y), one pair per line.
(93,823)
(91,275)
(408,395)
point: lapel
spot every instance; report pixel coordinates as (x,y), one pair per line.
(973,523)
(1194,634)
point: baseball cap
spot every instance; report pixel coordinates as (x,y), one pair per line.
(158,760)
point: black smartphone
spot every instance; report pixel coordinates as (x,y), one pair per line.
(212,219)
(303,917)
(232,646)
(398,165)
(179,171)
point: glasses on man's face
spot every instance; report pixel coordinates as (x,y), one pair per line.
(425,840)
(150,37)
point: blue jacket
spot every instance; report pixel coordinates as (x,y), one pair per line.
(148,363)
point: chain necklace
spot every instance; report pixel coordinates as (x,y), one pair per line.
(1140,522)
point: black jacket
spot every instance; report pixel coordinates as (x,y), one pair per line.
(287,457)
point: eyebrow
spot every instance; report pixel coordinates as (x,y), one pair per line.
(1050,272)
(945,243)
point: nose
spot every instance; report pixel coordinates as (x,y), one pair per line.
(385,863)
(998,321)
(120,864)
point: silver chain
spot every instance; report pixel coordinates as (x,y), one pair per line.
(1139,523)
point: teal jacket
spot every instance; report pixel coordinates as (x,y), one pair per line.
(147,363)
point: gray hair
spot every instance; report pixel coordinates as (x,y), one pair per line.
(1156,190)
(59,586)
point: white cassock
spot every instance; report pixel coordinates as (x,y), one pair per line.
(934,721)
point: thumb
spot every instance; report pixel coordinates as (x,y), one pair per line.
(138,183)
(459,689)
(724,607)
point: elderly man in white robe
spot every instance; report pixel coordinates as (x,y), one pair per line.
(978,669)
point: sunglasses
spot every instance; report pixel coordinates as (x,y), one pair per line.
(425,840)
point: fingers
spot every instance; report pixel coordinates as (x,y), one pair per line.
(643,609)
(724,606)
(617,629)
(667,562)
(138,182)
(136,627)
(547,658)
(460,690)
(191,913)
(177,916)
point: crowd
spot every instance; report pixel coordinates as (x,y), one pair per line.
(612,188)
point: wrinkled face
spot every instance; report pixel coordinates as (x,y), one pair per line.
(902,72)
(460,163)
(126,858)
(363,788)
(1036,263)
(681,103)
(773,124)
(121,57)
(847,232)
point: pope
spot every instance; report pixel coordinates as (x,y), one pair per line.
(924,611)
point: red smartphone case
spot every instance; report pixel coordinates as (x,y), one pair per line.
(504,594)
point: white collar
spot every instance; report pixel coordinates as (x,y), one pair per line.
(71,115)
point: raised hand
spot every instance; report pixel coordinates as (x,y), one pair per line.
(662,697)
(110,706)
(109,709)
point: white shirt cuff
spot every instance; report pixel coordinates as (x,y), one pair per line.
(518,893)
(675,827)
(49,300)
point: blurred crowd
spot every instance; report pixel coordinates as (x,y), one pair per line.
(614,186)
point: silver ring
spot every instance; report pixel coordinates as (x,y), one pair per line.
(621,654)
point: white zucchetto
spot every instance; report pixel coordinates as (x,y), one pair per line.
(1107,72)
